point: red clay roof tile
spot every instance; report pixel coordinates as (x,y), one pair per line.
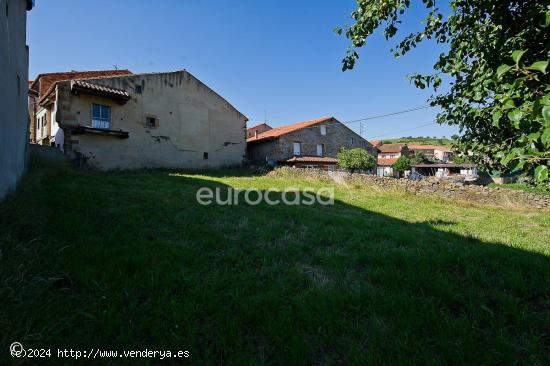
(283,130)
(47,80)
(429,147)
(390,148)
(386,161)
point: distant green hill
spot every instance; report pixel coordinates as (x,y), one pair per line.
(419,141)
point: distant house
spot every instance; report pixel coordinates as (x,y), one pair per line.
(434,153)
(257,129)
(376,143)
(314,143)
(118,120)
(387,156)
(445,169)
(44,129)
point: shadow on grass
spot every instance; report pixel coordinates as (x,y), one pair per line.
(132,261)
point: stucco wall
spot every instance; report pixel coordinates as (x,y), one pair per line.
(338,136)
(13,93)
(192,120)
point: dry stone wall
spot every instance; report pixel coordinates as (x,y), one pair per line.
(441,188)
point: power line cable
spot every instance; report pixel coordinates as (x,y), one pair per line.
(388,114)
(405,130)
(414,109)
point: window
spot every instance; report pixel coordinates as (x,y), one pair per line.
(323,130)
(297,148)
(151,122)
(320,149)
(351,140)
(44,121)
(101,116)
(205,156)
(138,89)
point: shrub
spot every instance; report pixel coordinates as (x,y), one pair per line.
(354,159)
(403,163)
(418,158)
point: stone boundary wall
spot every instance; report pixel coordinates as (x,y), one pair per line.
(438,187)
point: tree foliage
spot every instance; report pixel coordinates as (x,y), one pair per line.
(402,163)
(461,159)
(418,158)
(356,159)
(495,64)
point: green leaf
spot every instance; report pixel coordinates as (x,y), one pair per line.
(515,116)
(516,55)
(533,136)
(519,166)
(545,137)
(503,69)
(546,113)
(508,158)
(539,66)
(508,103)
(496,118)
(541,173)
(548,17)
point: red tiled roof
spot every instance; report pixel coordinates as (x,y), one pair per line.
(258,125)
(283,130)
(386,161)
(429,147)
(84,85)
(48,80)
(311,159)
(376,142)
(391,148)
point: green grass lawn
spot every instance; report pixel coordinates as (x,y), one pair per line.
(130,260)
(522,187)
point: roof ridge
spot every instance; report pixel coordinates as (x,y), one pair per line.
(77,71)
(286,129)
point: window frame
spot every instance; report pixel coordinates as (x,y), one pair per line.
(322,153)
(154,118)
(101,121)
(299,145)
(323,130)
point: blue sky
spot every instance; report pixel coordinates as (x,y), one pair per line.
(275,58)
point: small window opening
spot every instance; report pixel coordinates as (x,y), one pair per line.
(205,156)
(151,122)
(139,89)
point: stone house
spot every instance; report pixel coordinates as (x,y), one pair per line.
(14,70)
(150,120)
(44,130)
(314,143)
(387,156)
(434,153)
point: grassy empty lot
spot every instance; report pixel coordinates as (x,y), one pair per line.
(130,260)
